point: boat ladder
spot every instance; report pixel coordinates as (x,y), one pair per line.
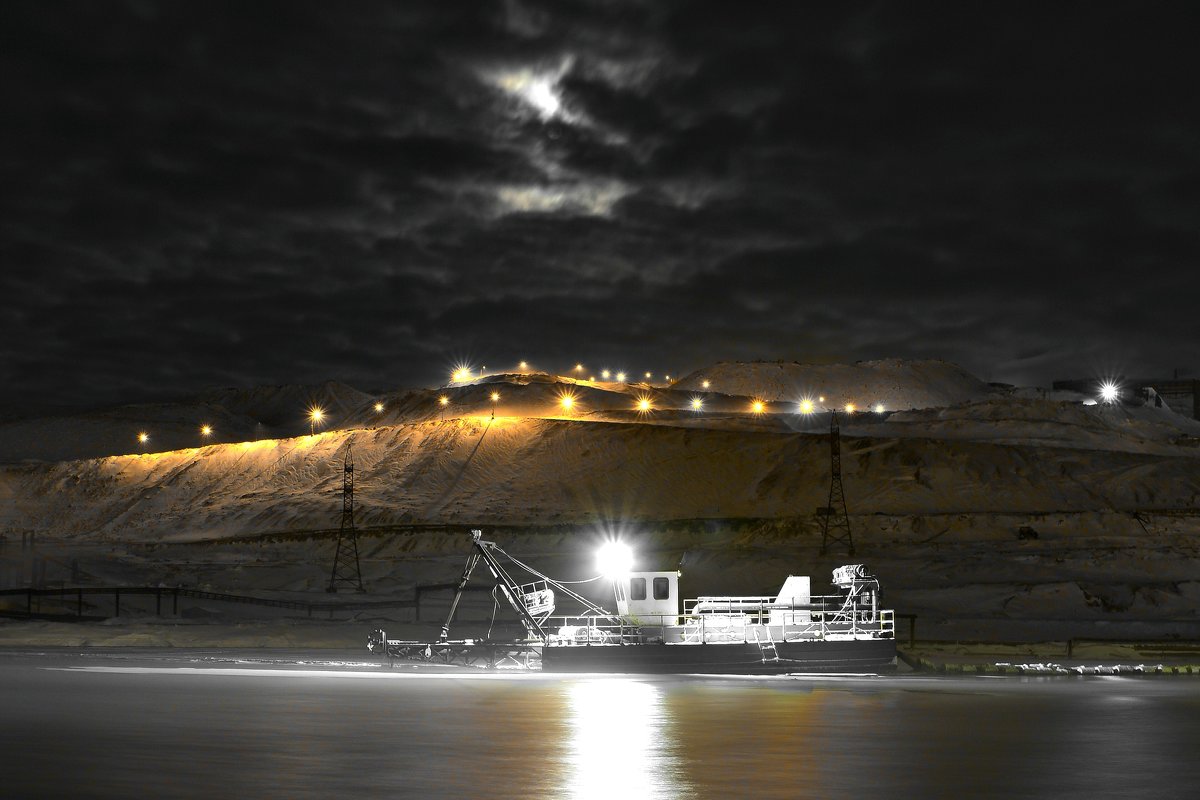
(767,647)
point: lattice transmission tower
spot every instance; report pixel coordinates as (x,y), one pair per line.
(346,570)
(835,521)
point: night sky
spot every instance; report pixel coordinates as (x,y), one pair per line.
(233,194)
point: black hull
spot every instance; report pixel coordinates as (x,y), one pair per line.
(872,655)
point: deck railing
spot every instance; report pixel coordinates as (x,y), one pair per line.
(724,620)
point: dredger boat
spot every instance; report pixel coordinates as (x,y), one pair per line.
(653,632)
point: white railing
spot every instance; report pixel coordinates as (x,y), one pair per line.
(801,622)
(538,598)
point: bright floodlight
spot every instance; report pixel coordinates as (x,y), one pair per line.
(621,377)
(648,375)
(579,367)
(461,374)
(495,396)
(806,406)
(614,559)
(697,404)
(849,408)
(316,414)
(524,365)
(379,406)
(206,430)
(567,401)
(443,400)
(757,406)
(643,404)
(143,437)
(605,374)
(821,399)
(1109,392)
(879,408)
(706,384)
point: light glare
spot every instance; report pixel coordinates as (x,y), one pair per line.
(315,415)
(1109,392)
(614,559)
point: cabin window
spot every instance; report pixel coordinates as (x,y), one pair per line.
(637,589)
(662,589)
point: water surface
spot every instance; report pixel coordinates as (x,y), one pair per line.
(189,725)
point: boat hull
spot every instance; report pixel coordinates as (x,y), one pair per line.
(867,655)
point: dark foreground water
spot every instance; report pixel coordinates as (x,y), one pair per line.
(192,725)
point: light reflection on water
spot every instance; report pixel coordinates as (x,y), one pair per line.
(315,734)
(619,747)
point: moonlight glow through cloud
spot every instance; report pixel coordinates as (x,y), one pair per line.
(552,172)
(538,90)
(597,200)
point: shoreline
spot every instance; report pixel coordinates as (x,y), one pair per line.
(325,638)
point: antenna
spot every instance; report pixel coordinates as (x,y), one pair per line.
(835,521)
(346,570)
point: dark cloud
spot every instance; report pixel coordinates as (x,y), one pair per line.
(226,193)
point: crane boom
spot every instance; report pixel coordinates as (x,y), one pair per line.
(518,598)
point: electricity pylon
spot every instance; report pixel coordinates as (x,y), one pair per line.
(346,570)
(835,521)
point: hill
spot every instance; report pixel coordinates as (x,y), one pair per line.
(937,494)
(891,383)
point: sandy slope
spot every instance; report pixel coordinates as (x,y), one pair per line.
(539,471)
